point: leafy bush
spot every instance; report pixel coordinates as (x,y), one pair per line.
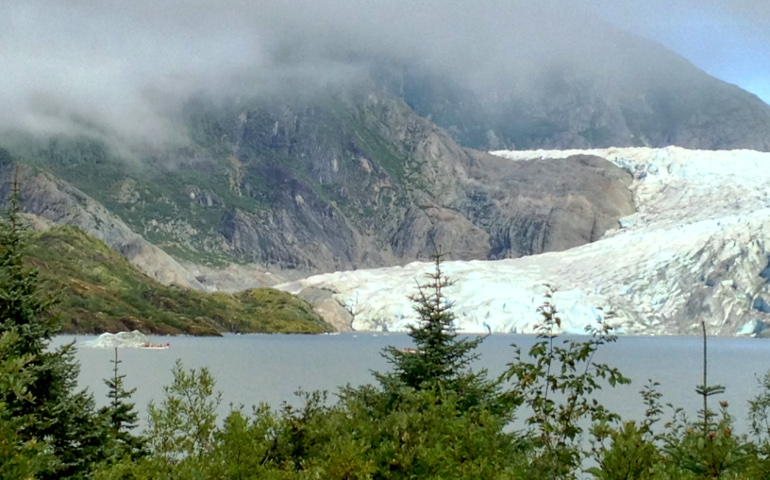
(564,370)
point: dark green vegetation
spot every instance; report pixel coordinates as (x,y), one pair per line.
(47,428)
(431,416)
(99,291)
(440,360)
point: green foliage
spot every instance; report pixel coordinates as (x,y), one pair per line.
(430,419)
(20,456)
(121,416)
(433,434)
(432,416)
(759,411)
(710,453)
(245,445)
(759,419)
(183,426)
(39,400)
(422,437)
(21,305)
(100,291)
(440,360)
(632,454)
(181,433)
(708,448)
(556,386)
(280,312)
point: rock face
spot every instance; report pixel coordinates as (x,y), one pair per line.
(54,200)
(534,206)
(377,170)
(380,171)
(697,248)
(391,186)
(339,181)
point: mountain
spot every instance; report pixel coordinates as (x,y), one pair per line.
(697,249)
(100,291)
(623,91)
(262,185)
(50,198)
(337,181)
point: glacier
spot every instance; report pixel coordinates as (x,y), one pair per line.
(695,250)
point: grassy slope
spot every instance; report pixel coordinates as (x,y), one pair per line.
(101,291)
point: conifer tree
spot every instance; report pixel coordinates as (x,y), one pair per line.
(22,308)
(441,360)
(59,415)
(19,457)
(120,413)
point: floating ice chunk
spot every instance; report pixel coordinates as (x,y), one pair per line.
(135,339)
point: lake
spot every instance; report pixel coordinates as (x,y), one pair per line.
(269,368)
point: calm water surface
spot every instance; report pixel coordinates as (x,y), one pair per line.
(269,368)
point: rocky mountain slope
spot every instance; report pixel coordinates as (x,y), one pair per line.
(697,248)
(324,154)
(333,182)
(619,90)
(56,202)
(276,185)
(376,170)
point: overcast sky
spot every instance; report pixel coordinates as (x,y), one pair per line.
(125,65)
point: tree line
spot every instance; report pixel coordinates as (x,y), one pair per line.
(431,415)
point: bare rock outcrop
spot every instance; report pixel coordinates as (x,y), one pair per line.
(52,199)
(390,187)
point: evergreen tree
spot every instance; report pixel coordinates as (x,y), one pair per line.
(22,308)
(120,414)
(58,415)
(19,457)
(441,360)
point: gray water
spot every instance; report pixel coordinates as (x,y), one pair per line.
(250,369)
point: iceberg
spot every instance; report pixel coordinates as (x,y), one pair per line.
(135,339)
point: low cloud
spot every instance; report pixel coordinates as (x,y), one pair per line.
(123,69)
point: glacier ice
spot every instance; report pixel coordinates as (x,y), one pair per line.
(695,249)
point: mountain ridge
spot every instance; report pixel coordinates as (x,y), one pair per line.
(656,100)
(317,154)
(344,183)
